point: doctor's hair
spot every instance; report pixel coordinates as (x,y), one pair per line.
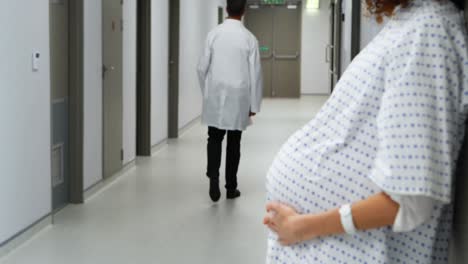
(386,8)
(236,7)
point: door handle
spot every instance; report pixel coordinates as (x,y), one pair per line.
(106,69)
(327,53)
(286,57)
(267,57)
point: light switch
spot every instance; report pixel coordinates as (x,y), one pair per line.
(36,58)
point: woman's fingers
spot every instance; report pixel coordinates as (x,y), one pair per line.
(273,227)
(275,213)
(267,220)
(272,216)
(277,220)
(273,207)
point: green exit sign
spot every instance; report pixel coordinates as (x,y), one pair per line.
(274,2)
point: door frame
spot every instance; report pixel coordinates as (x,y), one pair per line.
(143,144)
(356,28)
(337,38)
(76,97)
(173,93)
(220,15)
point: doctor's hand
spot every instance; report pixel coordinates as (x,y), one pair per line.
(286,222)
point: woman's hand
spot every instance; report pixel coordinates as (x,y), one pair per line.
(286,222)
(374,212)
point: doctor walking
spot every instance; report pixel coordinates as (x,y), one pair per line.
(231,82)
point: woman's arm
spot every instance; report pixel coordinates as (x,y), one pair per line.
(375,212)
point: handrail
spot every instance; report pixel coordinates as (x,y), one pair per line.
(267,57)
(286,57)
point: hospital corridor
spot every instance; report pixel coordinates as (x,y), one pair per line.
(158,211)
(233,131)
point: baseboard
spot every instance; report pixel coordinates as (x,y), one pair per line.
(102,185)
(158,147)
(24,236)
(189,125)
(162,144)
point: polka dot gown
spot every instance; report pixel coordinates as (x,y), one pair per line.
(394,123)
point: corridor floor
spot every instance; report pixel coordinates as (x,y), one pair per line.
(160,212)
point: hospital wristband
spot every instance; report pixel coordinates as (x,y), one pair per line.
(347,219)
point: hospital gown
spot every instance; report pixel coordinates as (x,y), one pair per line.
(394,123)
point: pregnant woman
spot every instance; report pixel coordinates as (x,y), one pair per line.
(370,178)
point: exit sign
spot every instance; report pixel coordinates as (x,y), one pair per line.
(274,2)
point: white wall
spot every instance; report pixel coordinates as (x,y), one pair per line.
(347,7)
(129,80)
(92,167)
(159,70)
(315,37)
(197,18)
(221,3)
(369,29)
(25,179)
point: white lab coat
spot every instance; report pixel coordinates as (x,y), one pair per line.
(230,77)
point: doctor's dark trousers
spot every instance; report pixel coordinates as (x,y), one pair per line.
(215,142)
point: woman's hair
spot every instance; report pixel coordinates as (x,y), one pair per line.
(386,8)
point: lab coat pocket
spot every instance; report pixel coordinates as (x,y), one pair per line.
(237,106)
(212,107)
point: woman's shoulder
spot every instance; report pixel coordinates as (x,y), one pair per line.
(431,23)
(431,15)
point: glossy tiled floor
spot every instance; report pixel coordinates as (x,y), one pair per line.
(160,212)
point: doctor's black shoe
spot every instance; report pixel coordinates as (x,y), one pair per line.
(233,194)
(215,193)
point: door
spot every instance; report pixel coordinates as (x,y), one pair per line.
(260,22)
(112,85)
(333,50)
(286,53)
(59,77)
(277,28)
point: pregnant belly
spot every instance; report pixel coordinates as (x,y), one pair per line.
(291,181)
